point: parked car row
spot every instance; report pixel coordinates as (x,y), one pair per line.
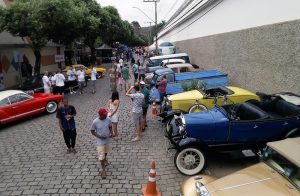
(216,117)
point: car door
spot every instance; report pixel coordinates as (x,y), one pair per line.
(257,130)
(23,105)
(6,112)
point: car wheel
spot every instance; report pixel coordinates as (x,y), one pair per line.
(197,107)
(99,75)
(51,107)
(189,161)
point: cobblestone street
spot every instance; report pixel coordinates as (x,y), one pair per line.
(34,161)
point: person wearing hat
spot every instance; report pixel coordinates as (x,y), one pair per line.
(146,94)
(102,129)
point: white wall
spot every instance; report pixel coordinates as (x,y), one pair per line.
(232,15)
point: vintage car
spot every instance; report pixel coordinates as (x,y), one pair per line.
(35,84)
(200,100)
(16,104)
(231,127)
(211,79)
(176,67)
(277,174)
(100,70)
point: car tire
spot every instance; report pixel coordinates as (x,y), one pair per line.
(51,107)
(197,107)
(99,75)
(189,161)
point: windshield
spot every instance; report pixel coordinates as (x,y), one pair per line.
(286,168)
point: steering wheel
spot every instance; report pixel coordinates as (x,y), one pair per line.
(233,115)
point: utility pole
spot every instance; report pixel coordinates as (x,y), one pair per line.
(150,40)
(155,2)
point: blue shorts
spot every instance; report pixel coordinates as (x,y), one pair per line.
(93,82)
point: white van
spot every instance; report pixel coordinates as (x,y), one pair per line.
(154,62)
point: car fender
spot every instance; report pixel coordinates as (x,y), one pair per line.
(169,114)
(293,133)
(195,105)
(189,141)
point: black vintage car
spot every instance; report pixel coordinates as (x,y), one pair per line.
(35,84)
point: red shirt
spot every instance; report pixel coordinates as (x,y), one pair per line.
(162,85)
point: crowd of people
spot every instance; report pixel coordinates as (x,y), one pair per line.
(58,80)
(105,126)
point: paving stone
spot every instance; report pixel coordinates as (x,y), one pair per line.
(34,160)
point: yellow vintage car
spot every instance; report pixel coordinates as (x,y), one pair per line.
(99,70)
(198,100)
(277,174)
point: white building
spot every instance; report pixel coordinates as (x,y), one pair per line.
(257,42)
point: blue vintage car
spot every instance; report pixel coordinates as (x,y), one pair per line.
(232,127)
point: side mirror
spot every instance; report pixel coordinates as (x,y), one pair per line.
(215,100)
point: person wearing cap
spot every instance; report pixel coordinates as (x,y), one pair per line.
(65,115)
(146,94)
(138,100)
(102,129)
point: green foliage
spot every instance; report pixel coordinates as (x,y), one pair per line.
(193,84)
(64,21)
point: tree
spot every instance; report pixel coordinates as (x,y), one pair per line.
(41,21)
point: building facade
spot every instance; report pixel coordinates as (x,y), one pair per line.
(256,42)
(17,58)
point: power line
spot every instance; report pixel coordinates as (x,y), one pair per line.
(195,20)
(168,12)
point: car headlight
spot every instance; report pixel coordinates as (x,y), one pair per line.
(201,189)
(168,102)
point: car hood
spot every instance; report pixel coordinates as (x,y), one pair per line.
(258,179)
(199,118)
(194,94)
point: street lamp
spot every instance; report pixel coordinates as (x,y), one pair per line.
(155,2)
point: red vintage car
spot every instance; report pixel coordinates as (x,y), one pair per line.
(16,104)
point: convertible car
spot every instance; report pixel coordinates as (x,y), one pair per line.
(232,127)
(200,100)
(277,174)
(16,104)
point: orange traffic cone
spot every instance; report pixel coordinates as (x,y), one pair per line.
(154,111)
(151,189)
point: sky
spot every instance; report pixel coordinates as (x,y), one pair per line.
(165,9)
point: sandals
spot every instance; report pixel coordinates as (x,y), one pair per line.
(136,139)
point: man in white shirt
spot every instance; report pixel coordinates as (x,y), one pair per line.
(94,78)
(119,74)
(81,78)
(72,79)
(46,82)
(60,82)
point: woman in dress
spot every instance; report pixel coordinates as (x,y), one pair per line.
(113,112)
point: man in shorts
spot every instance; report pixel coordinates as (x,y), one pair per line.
(125,76)
(145,92)
(138,100)
(102,129)
(93,78)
